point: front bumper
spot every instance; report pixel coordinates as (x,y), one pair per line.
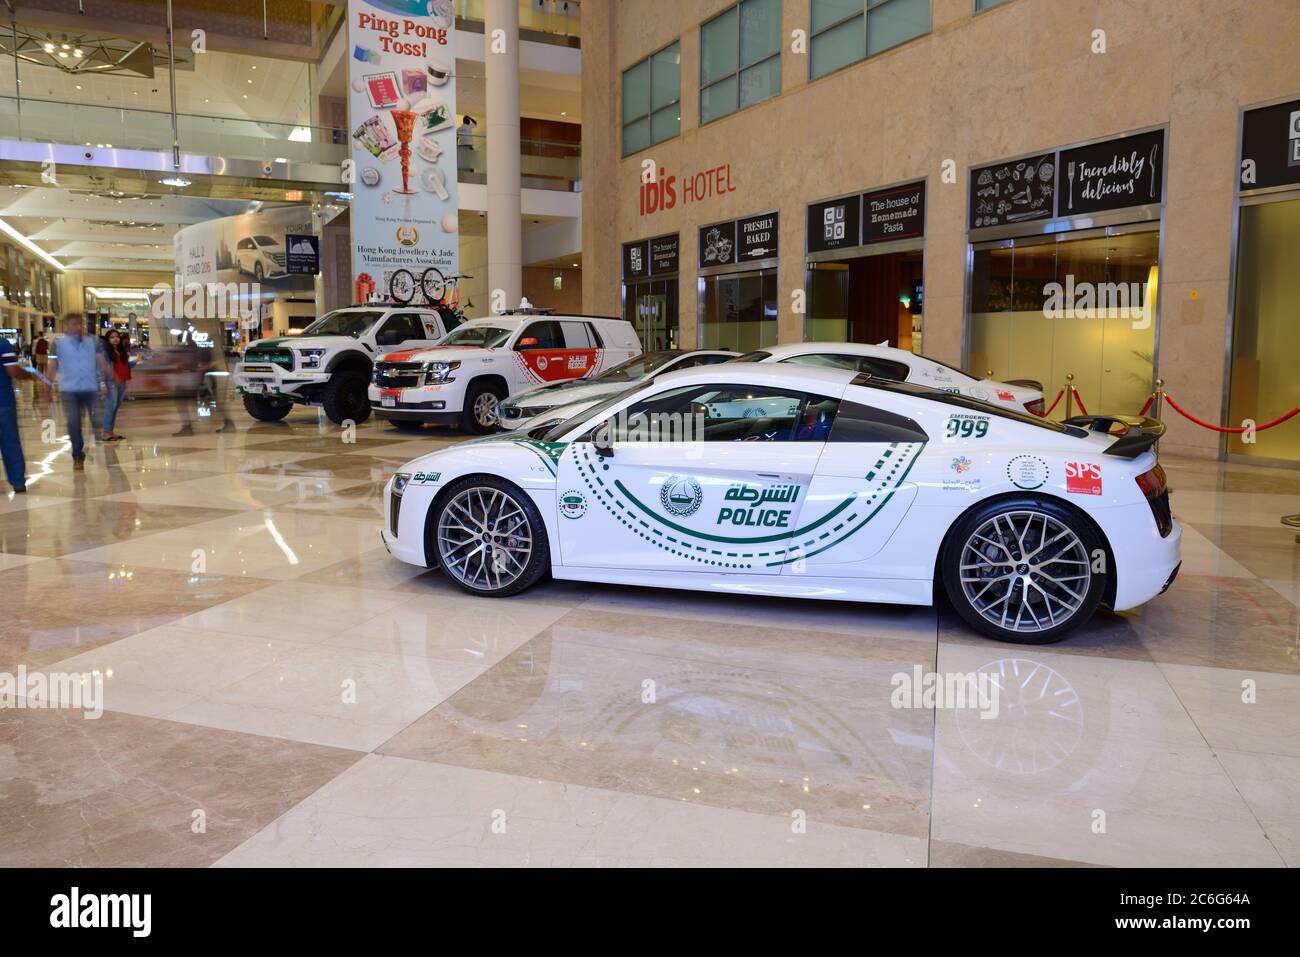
(269,379)
(438,404)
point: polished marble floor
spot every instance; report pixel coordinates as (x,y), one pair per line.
(278,691)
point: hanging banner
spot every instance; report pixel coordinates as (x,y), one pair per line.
(402,114)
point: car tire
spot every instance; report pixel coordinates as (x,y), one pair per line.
(994,574)
(515,553)
(344,397)
(266,410)
(481,414)
(407,425)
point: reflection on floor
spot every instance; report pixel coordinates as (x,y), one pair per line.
(278,690)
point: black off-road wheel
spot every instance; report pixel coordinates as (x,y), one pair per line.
(344,397)
(266,410)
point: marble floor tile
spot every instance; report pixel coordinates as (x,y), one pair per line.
(1088,759)
(81,524)
(390,812)
(124,791)
(237,491)
(1242,710)
(1270,785)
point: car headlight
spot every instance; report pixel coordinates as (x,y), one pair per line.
(310,358)
(400,481)
(437,372)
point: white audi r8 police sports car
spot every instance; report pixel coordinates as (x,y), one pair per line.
(777,479)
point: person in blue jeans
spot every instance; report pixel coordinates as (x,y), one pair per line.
(11,446)
(118,354)
(81,370)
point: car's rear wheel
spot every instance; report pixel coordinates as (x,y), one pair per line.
(489,537)
(1024,570)
(482,412)
(344,397)
(266,410)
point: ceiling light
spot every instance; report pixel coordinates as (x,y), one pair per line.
(77,53)
(63,53)
(65,46)
(49,48)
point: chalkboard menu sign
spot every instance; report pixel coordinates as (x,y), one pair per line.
(651,257)
(636,260)
(1112,175)
(756,237)
(1270,146)
(718,244)
(835,224)
(896,213)
(664,255)
(1014,192)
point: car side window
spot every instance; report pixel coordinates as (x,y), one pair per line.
(541,335)
(577,335)
(691,362)
(728,413)
(399,328)
(884,368)
(856,422)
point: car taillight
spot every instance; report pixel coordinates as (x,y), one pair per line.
(1152,483)
(1035,406)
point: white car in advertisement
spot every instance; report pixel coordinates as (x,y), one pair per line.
(260,256)
(807,482)
(565,399)
(886,362)
(329,363)
(463,380)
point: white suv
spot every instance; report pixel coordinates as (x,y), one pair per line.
(464,378)
(329,363)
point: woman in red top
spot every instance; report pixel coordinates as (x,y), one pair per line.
(118,349)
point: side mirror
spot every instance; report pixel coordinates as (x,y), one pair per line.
(602,440)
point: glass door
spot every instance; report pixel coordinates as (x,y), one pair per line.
(651,307)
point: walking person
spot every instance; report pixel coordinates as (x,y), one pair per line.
(11,446)
(117,350)
(79,366)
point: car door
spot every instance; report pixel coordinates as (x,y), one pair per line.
(727,499)
(581,347)
(540,352)
(859,495)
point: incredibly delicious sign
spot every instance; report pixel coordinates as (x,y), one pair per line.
(739,241)
(1112,175)
(897,213)
(835,224)
(651,257)
(402,113)
(1270,146)
(1013,192)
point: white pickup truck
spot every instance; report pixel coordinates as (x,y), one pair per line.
(329,363)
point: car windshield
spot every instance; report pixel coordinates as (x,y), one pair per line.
(342,323)
(265,241)
(752,357)
(489,337)
(591,413)
(638,367)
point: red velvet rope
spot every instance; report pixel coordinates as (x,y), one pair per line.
(1053,405)
(1079,399)
(1231,430)
(1150,400)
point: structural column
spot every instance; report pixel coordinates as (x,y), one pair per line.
(501,57)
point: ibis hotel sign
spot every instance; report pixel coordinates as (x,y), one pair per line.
(666,190)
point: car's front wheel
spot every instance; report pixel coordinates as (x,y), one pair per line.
(266,410)
(482,412)
(344,397)
(489,537)
(1024,570)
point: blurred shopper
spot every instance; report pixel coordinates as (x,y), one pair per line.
(81,369)
(11,446)
(117,350)
(41,353)
(193,364)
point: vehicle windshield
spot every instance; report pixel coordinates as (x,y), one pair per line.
(752,357)
(342,323)
(488,337)
(592,413)
(265,241)
(638,367)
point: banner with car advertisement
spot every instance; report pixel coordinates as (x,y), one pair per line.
(402,126)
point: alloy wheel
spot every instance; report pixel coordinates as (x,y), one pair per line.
(487,410)
(484,538)
(1025,571)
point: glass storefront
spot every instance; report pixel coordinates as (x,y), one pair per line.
(867,299)
(1265,331)
(651,306)
(1081,302)
(738,311)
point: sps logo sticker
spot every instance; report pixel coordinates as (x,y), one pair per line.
(1083,478)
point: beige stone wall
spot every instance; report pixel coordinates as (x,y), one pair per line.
(1012,80)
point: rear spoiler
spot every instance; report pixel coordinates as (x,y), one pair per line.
(1140,432)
